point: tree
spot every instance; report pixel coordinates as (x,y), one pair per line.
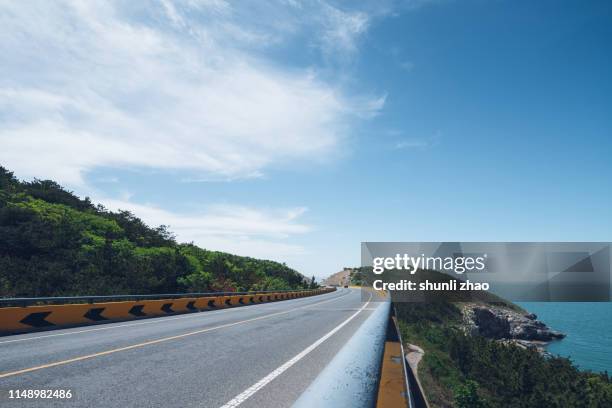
(7,180)
(466,396)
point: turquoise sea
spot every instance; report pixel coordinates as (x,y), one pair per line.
(588,327)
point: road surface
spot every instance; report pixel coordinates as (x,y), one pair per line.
(255,356)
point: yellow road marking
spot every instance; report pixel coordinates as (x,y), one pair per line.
(162,340)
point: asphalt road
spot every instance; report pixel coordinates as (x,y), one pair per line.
(255,356)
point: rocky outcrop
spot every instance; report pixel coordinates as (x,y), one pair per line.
(497,323)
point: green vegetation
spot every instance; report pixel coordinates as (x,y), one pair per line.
(53,243)
(466,396)
(357,276)
(459,370)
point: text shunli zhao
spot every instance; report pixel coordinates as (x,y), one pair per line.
(406,262)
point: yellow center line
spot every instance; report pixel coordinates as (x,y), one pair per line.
(162,340)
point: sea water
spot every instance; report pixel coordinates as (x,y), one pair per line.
(588,327)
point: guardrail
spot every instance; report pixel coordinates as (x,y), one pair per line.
(416,397)
(351,378)
(29,301)
(31,315)
(394,390)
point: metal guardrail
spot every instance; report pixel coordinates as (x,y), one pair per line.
(31,301)
(408,383)
(351,378)
(35,316)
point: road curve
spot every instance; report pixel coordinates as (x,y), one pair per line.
(254,356)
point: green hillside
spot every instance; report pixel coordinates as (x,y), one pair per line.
(53,243)
(462,370)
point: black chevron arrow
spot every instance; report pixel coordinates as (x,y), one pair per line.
(191,305)
(95,314)
(37,320)
(252,299)
(228,302)
(211,303)
(137,311)
(167,307)
(241,301)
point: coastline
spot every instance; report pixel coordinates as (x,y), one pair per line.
(583,323)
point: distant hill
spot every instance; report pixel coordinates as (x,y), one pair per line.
(339,278)
(53,243)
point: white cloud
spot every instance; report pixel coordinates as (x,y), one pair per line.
(343,30)
(172,85)
(232,228)
(423,143)
(165,86)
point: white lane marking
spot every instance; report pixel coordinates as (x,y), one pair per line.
(159,319)
(156,341)
(246,394)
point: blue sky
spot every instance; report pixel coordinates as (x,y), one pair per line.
(295,130)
